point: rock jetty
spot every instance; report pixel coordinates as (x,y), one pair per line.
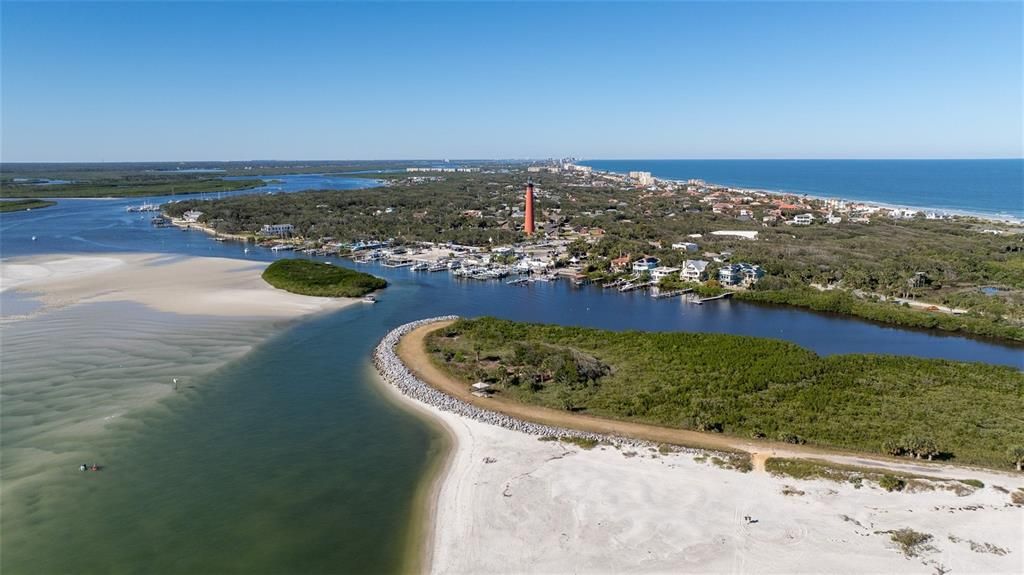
(394,372)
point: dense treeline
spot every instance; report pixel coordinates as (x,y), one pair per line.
(750,387)
(435,212)
(307,277)
(842,302)
(128,185)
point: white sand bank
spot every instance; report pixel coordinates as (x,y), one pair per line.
(508,502)
(184,285)
(115,334)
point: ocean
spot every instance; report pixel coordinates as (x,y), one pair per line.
(993,188)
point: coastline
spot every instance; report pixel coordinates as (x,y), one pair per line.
(503,497)
(1009,219)
(423,525)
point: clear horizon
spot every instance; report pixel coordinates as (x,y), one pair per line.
(243,160)
(156,82)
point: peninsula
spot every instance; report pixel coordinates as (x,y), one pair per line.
(744,387)
(911,268)
(549,493)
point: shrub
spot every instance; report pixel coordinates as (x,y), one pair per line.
(911,543)
(891,483)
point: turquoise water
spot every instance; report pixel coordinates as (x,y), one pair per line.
(289,460)
(989,187)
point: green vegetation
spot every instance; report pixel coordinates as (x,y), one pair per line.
(911,543)
(942,261)
(736,461)
(21,205)
(857,476)
(442,212)
(747,387)
(843,302)
(319,279)
(127,186)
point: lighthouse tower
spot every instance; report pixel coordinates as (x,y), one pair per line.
(528,225)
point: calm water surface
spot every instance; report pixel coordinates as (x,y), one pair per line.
(290,460)
(990,187)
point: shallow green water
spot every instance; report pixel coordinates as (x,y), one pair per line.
(289,460)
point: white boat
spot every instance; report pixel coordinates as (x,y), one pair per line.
(369,299)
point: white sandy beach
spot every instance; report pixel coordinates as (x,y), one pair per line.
(183,285)
(507,502)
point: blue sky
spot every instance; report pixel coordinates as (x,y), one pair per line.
(243,80)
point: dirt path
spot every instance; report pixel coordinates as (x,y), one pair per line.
(412,351)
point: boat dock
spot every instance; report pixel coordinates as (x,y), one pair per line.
(725,295)
(673,294)
(635,286)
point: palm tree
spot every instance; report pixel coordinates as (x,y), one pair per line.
(1016,456)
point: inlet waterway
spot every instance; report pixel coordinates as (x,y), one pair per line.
(289,459)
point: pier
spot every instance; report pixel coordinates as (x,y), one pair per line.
(725,295)
(673,293)
(635,286)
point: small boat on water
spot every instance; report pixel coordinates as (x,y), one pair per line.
(369,299)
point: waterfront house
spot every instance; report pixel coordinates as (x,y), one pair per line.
(645,264)
(803,219)
(694,270)
(619,264)
(192,216)
(660,272)
(277,229)
(740,274)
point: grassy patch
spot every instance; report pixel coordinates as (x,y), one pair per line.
(736,461)
(911,543)
(22,205)
(581,442)
(319,279)
(815,469)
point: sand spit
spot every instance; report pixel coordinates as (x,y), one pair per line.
(183,285)
(510,503)
(114,334)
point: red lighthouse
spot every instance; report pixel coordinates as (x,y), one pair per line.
(528,225)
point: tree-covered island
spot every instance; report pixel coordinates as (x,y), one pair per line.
(307,277)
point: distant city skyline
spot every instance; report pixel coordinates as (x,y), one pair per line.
(335,81)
